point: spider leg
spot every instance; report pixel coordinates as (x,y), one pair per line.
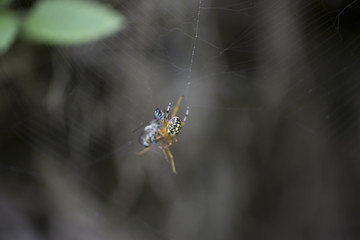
(186,115)
(167,112)
(169,140)
(168,137)
(177,106)
(144,150)
(170,155)
(172,160)
(162,147)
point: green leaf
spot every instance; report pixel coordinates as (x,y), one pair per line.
(68,22)
(9,25)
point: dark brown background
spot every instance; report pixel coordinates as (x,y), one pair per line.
(270,149)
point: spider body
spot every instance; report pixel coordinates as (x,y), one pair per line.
(174,126)
(163,131)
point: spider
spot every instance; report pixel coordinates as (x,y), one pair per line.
(163,131)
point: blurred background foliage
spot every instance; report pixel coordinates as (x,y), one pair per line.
(270,149)
(59,22)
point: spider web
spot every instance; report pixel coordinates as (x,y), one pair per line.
(270,147)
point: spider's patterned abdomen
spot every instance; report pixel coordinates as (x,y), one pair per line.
(174,126)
